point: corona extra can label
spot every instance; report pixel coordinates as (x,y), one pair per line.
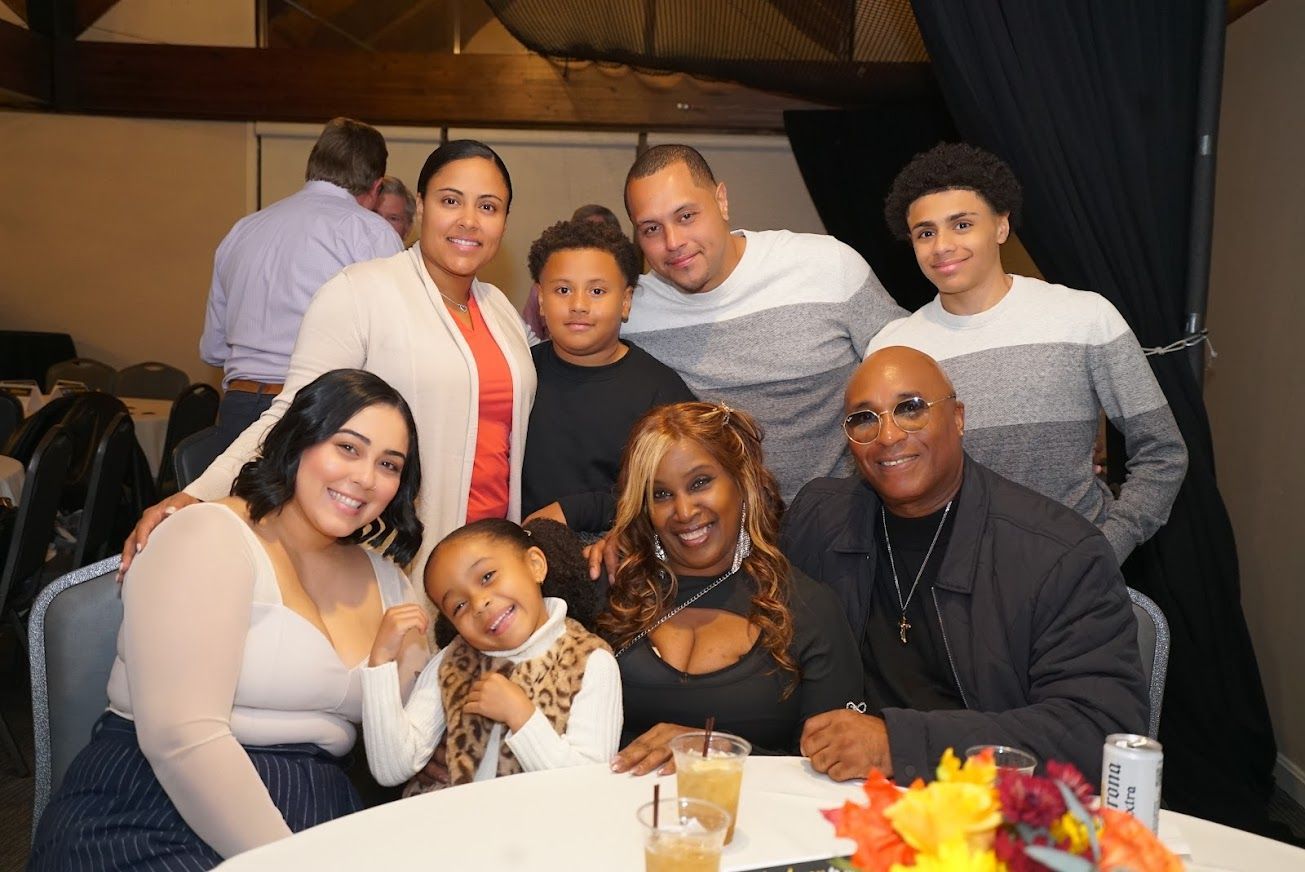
(1130,776)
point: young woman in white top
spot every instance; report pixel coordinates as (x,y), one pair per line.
(247,624)
(453,346)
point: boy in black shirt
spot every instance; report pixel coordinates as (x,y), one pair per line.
(593,385)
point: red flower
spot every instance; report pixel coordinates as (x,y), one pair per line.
(1068,775)
(1010,850)
(1028,799)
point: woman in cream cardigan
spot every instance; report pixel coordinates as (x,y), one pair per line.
(454,347)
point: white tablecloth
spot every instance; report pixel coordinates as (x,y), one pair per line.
(11,478)
(583,819)
(151,420)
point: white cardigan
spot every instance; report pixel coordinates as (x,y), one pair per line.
(386,316)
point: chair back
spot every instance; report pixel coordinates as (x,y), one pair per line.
(150,380)
(72,641)
(11,415)
(95,375)
(194,409)
(194,454)
(22,444)
(34,519)
(87,421)
(104,490)
(1153,643)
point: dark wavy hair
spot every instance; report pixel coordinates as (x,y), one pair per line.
(461,149)
(645,587)
(946,167)
(573,234)
(568,572)
(317,413)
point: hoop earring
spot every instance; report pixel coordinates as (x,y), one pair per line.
(744,547)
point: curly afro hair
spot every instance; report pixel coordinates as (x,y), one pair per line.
(948,166)
(568,571)
(570,235)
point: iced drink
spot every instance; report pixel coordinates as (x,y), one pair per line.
(716,777)
(687,838)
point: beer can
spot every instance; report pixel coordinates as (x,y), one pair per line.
(1130,776)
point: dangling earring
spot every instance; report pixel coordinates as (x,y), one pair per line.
(744,548)
(658,551)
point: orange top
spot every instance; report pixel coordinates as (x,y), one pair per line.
(491,468)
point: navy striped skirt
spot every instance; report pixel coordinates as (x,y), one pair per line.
(110,812)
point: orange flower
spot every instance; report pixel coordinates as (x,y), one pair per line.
(878,846)
(1127,844)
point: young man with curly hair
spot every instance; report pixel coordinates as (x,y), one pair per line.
(1036,362)
(593,385)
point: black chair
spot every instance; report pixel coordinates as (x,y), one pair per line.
(29,539)
(151,380)
(194,410)
(11,415)
(95,375)
(86,422)
(22,444)
(194,454)
(104,491)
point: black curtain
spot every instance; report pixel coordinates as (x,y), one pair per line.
(849,158)
(1094,107)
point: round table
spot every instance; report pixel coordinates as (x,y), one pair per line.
(583,819)
(11,479)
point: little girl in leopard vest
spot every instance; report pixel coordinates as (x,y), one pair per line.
(522,687)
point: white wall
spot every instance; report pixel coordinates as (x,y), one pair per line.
(1257,314)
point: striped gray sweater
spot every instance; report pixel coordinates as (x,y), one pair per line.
(1034,371)
(778,338)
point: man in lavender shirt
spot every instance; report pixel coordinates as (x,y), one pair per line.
(271,264)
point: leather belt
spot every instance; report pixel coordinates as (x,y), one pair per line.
(253,387)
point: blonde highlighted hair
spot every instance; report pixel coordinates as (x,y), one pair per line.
(644,587)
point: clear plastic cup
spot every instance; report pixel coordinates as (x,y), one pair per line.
(688,837)
(1006,757)
(716,777)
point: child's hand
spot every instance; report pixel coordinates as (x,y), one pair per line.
(500,700)
(397,622)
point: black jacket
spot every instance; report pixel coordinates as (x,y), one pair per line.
(1034,614)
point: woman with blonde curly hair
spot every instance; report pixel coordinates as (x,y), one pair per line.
(706,615)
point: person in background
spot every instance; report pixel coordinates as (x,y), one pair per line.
(397,205)
(986,613)
(246,628)
(1037,362)
(591,212)
(271,263)
(453,346)
(707,616)
(592,385)
(522,688)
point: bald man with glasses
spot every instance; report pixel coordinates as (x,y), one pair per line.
(986,613)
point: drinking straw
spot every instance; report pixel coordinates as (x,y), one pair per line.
(657,803)
(706,735)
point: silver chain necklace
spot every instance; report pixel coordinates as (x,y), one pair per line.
(902,624)
(675,611)
(461,307)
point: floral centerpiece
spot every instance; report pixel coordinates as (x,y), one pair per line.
(974,818)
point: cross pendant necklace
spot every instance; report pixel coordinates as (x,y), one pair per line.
(902,624)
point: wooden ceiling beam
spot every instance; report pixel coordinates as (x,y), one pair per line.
(24,67)
(87,12)
(466,90)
